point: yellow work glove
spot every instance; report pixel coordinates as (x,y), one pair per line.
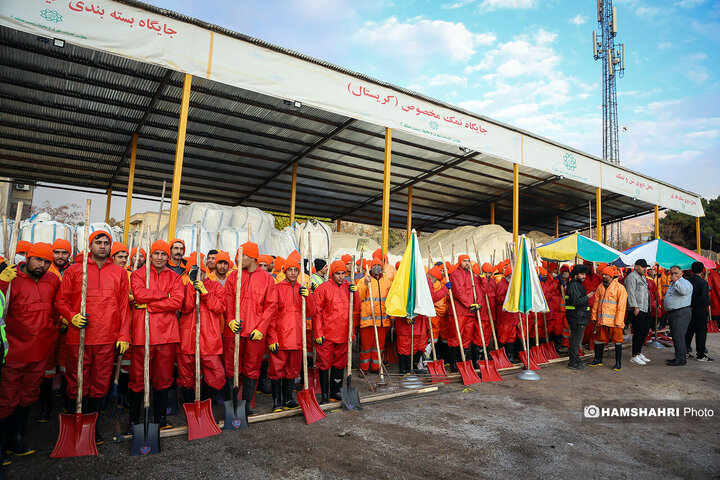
(80,321)
(9,273)
(304,292)
(141,306)
(474,307)
(200,287)
(273,347)
(122,346)
(235,326)
(320,340)
(353,288)
(256,335)
(410,321)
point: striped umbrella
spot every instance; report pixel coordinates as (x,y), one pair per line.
(409,294)
(665,254)
(525,293)
(566,248)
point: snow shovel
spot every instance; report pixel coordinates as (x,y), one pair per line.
(200,420)
(146,435)
(537,351)
(115,401)
(306,397)
(235,414)
(314,371)
(349,394)
(488,371)
(77,432)
(549,347)
(526,354)
(465,367)
(436,367)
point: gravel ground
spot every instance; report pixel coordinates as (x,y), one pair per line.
(523,429)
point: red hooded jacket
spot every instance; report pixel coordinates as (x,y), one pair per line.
(286,326)
(258,301)
(162,309)
(212,307)
(331,308)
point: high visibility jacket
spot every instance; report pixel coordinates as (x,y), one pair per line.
(31,315)
(610,305)
(380,288)
(258,301)
(714,284)
(212,307)
(664,282)
(331,309)
(107,308)
(161,307)
(286,325)
(442,304)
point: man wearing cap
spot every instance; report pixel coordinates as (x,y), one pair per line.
(320,275)
(140,260)
(330,329)
(265,262)
(638,295)
(677,305)
(462,280)
(161,300)
(223,264)
(699,304)
(176,262)
(21,249)
(107,320)
(31,335)
(62,250)
(506,322)
(285,337)
(210,260)
(258,305)
(373,306)
(577,311)
(608,313)
(212,307)
(119,254)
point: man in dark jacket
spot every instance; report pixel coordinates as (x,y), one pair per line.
(699,307)
(577,312)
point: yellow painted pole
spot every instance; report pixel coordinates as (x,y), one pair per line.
(338,225)
(516,204)
(557,226)
(179,151)
(697,234)
(492,213)
(409,213)
(107,205)
(386,192)
(657,223)
(598,213)
(293,193)
(131,183)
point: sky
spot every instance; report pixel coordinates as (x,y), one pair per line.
(527,63)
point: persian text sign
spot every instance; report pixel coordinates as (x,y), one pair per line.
(631,184)
(553,159)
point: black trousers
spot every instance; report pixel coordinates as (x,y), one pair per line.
(641,327)
(697,327)
(576,335)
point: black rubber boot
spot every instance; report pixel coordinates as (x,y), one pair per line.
(403,364)
(135,402)
(93,406)
(415,361)
(287,392)
(5,459)
(18,422)
(510,352)
(247,393)
(324,386)
(598,360)
(336,378)
(276,386)
(160,403)
(263,381)
(188,395)
(618,357)
(475,355)
(45,398)
(453,353)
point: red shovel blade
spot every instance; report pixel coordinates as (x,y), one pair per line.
(309,405)
(550,352)
(437,371)
(200,420)
(488,372)
(500,358)
(712,327)
(533,364)
(77,436)
(467,372)
(539,354)
(314,378)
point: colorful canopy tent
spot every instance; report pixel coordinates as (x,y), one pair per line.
(409,294)
(525,293)
(566,248)
(663,253)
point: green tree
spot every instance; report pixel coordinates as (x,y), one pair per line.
(679,228)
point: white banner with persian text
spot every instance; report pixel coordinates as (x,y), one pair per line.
(627,183)
(552,159)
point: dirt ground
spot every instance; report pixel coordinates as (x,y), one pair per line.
(513,428)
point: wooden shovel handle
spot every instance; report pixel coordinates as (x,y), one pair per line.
(83,305)
(146,357)
(236,354)
(350,320)
(452,303)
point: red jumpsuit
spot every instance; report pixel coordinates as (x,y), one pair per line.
(330,320)
(108,313)
(463,297)
(506,323)
(31,336)
(714,285)
(555,317)
(212,307)
(592,282)
(420,329)
(286,330)
(258,304)
(163,299)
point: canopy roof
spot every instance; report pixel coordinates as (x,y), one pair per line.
(69,114)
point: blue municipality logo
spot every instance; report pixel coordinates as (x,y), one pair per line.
(570,162)
(51,15)
(434,125)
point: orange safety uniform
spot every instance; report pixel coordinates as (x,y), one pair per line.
(608,312)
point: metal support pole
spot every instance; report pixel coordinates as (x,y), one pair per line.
(386,192)
(557,226)
(338,225)
(598,213)
(293,193)
(179,152)
(107,205)
(492,213)
(657,223)
(516,204)
(697,234)
(131,183)
(409,213)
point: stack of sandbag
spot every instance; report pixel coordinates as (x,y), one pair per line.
(42,228)
(188,234)
(80,234)
(320,237)
(10,224)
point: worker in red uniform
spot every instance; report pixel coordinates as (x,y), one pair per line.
(161,300)
(119,254)
(212,307)
(31,334)
(506,323)
(554,317)
(258,304)
(462,280)
(713,280)
(177,262)
(130,266)
(330,328)
(285,337)
(107,320)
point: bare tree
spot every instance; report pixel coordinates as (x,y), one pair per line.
(70,213)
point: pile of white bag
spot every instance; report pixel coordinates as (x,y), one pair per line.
(41,228)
